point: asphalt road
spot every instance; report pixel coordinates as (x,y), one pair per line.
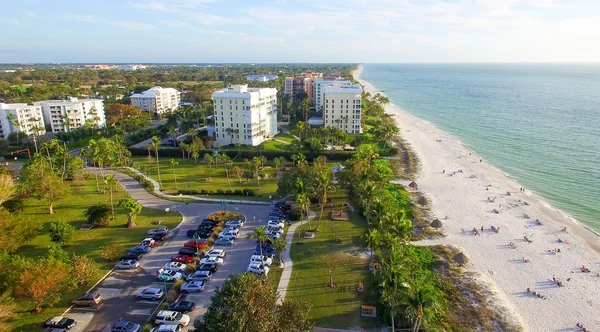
(120,287)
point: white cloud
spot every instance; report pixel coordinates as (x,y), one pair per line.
(195,10)
(30,14)
(116,23)
(12,20)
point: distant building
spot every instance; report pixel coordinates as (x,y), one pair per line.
(27,119)
(301,84)
(245,115)
(319,85)
(342,107)
(158,100)
(72,113)
(261,78)
(131,67)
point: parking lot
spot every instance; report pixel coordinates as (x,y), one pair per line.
(120,287)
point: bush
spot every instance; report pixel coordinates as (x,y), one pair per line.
(98,214)
(228,192)
(111,253)
(295,214)
(249,192)
(220,192)
(175,291)
(238,192)
(14,205)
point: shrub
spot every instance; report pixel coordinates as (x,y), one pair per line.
(175,291)
(204,192)
(249,192)
(110,253)
(14,205)
(190,268)
(220,192)
(228,192)
(295,214)
(238,192)
(98,214)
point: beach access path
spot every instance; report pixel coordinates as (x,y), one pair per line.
(466,189)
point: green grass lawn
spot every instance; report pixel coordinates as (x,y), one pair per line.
(333,307)
(83,242)
(191,176)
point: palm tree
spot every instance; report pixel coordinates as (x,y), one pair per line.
(372,239)
(227,162)
(322,185)
(421,300)
(173,163)
(303,201)
(368,195)
(238,147)
(256,162)
(209,159)
(155,144)
(111,181)
(305,108)
(260,234)
(301,127)
(280,245)
(192,134)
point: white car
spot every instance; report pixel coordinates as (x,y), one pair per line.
(275,224)
(229,233)
(211,260)
(171,317)
(215,253)
(257,268)
(175,266)
(168,275)
(275,229)
(235,222)
(265,260)
(232,230)
(193,287)
(273,235)
(148,242)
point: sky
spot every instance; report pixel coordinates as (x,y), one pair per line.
(275,31)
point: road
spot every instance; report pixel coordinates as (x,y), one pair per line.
(120,287)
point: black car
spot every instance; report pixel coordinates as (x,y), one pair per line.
(159,236)
(191,233)
(188,251)
(208,267)
(132,255)
(60,322)
(182,306)
(205,228)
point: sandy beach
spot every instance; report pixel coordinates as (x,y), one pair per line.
(466,192)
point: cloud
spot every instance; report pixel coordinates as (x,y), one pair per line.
(12,20)
(138,26)
(30,14)
(195,10)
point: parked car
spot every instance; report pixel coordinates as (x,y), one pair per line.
(273,235)
(257,268)
(235,222)
(88,299)
(194,286)
(125,326)
(150,294)
(60,322)
(175,266)
(223,242)
(140,249)
(182,259)
(227,236)
(269,252)
(188,251)
(206,227)
(232,230)
(208,267)
(159,236)
(132,255)
(182,306)
(209,221)
(168,275)
(193,244)
(127,264)
(216,253)
(166,328)
(211,260)
(275,224)
(276,229)
(265,259)
(148,242)
(171,317)
(231,233)
(54,329)
(199,276)
(159,229)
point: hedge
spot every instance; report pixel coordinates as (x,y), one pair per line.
(176,153)
(237,192)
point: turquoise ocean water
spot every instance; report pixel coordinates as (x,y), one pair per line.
(538,123)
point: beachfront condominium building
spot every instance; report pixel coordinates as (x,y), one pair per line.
(303,84)
(245,115)
(342,107)
(261,78)
(62,116)
(319,85)
(23,118)
(157,100)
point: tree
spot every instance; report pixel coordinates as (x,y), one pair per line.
(226,162)
(7,187)
(116,112)
(42,282)
(173,163)
(13,121)
(7,311)
(245,303)
(50,188)
(84,270)
(61,232)
(16,230)
(238,171)
(132,207)
(303,201)
(280,245)
(321,183)
(57,253)
(155,144)
(112,183)
(372,239)
(98,214)
(256,162)
(260,234)
(305,108)
(209,159)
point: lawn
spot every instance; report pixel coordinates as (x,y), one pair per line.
(279,143)
(333,307)
(191,177)
(83,242)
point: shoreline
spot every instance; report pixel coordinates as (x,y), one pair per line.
(463,198)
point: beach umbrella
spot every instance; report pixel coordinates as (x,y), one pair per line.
(461,258)
(436,223)
(413,185)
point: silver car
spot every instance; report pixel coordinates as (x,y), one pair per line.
(150,294)
(127,264)
(193,287)
(199,276)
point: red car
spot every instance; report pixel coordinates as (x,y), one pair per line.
(182,259)
(193,244)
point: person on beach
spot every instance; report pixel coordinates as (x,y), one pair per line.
(564,229)
(444,171)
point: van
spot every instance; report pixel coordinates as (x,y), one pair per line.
(167,328)
(226,237)
(172,317)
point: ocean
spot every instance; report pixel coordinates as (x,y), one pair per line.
(538,123)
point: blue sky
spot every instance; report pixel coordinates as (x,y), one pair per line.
(300,31)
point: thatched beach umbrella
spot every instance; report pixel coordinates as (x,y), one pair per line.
(413,185)
(436,223)
(461,258)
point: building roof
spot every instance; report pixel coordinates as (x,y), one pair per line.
(153,92)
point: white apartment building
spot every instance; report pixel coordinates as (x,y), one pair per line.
(319,85)
(24,118)
(342,107)
(72,113)
(245,115)
(158,100)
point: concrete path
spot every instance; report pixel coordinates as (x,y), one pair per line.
(288,265)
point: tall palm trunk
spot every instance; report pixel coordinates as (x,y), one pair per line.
(158,169)
(175,177)
(323,202)
(112,207)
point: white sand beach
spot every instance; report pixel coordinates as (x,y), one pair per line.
(463,198)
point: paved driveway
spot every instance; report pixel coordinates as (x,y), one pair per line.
(120,287)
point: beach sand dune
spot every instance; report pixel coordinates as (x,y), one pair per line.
(468,191)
